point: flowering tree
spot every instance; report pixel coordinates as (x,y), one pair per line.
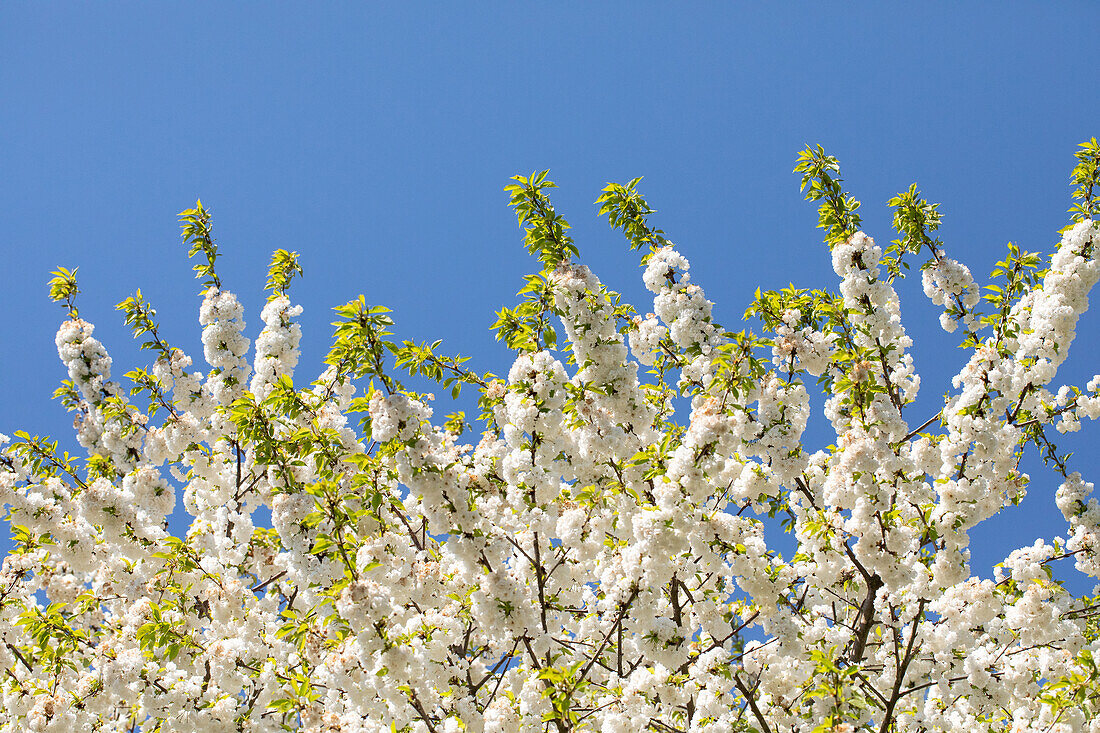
(592,562)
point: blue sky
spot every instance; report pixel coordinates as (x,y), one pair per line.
(375,140)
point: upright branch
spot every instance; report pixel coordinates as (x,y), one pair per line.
(284,266)
(63,289)
(1086,177)
(544,230)
(628,211)
(198,235)
(821,180)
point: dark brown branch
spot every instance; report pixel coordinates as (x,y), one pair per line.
(926,423)
(269,581)
(895,694)
(748,695)
(20,657)
(867,614)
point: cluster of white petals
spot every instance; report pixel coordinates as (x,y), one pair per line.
(948,282)
(587,563)
(224,346)
(277,345)
(810,349)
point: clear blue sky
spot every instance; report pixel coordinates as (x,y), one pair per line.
(375,139)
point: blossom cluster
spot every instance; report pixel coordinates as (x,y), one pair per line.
(948,282)
(592,561)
